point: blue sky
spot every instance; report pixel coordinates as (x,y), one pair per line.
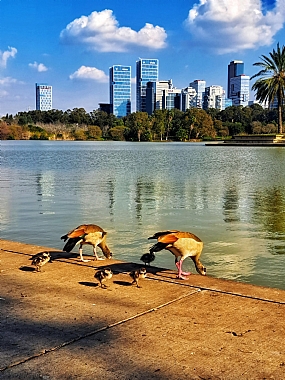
(71,44)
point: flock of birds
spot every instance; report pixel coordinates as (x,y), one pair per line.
(180,244)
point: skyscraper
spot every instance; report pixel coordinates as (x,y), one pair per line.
(162,95)
(188,98)
(239,87)
(43,97)
(199,86)
(214,98)
(147,71)
(120,90)
(235,68)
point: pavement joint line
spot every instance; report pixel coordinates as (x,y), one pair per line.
(217,291)
(74,340)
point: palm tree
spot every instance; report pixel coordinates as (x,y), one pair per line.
(271,84)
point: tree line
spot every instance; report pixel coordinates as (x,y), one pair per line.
(174,125)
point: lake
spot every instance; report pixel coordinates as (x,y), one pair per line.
(233,198)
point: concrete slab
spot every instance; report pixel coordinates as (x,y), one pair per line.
(59,324)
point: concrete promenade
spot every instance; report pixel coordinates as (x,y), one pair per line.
(59,324)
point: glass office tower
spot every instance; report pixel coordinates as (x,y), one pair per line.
(43,97)
(120,90)
(199,86)
(240,90)
(235,69)
(147,71)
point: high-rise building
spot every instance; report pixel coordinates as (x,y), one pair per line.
(188,98)
(43,97)
(120,90)
(199,86)
(235,69)
(239,88)
(146,71)
(214,98)
(162,95)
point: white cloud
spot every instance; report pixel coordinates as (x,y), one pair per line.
(229,26)
(100,31)
(5,55)
(7,81)
(3,93)
(40,67)
(92,73)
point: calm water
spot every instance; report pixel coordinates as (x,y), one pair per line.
(233,198)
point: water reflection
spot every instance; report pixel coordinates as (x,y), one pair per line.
(45,192)
(233,199)
(231,205)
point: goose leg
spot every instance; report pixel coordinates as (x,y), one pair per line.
(81,254)
(96,257)
(182,275)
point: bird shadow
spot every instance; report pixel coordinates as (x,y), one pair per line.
(118,268)
(88,283)
(122,283)
(55,255)
(27,269)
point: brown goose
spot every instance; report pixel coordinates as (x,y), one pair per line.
(87,234)
(181,245)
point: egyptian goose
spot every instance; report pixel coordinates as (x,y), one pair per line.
(40,259)
(87,234)
(137,274)
(103,275)
(181,245)
(147,258)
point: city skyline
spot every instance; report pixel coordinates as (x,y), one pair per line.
(71,46)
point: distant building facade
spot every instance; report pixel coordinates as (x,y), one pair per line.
(120,90)
(162,95)
(239,87)
(187,98)
(199,86)
(214,98)
(146,71)
(43,97)
(228,103)
(105,107)
(238,84)
(235,69)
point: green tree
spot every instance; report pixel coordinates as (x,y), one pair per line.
(94,132)
(158,123)
(117,133)
(138,125)
(271,84)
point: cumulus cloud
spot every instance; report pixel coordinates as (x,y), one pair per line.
(229,26)
(40,67)
(101,31)
(5,55)
(92,73)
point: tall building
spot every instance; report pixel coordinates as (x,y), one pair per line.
(162,95)
(199,86)
(239,87)
(146,71)
(235,69)
(188,98)
(214,98)
(43,97)
(120,90)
